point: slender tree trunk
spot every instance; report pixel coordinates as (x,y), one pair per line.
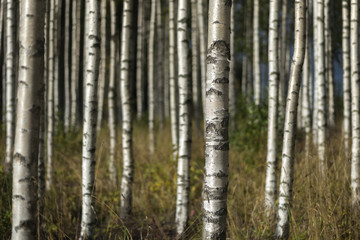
(172,75)
(10,80)
(202,42)
(26,147)
(346,76)
(320,83)
(316,63)
(283,62)
(112,95)
(217,121)
(89,125)
(183,170)
(57,24)
(102,76)
(127,152)
(166,68)
(355,102)
(286,179)
(151,76)
(244,75)
(232,85)
(50,98)
(67,76)
(2,88)
(270,184)
(256,52)
(139,62)
(159,74)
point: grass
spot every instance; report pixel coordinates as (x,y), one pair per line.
(320,210)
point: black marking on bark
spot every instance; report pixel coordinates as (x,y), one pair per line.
(228,3)
(221,80)
(21,158)
(213,91)
(220,47)
(222,146)
(29,224)
(19,197)
(21,82)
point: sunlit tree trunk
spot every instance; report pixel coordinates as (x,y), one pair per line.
(217,121)
(286,179)
(139,62)
(232,89)
(172,75)
(151,61)
(202,43)
(183,170)
(10,80)
(256,54)
(67,89)
(346,76)
(26,147)
(273,53)
(112,95)
(89,125)
(127,152)
(355,103)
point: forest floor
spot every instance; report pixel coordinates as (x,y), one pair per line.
(320,210)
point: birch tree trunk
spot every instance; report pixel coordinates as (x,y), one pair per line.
(67,90)
(151,61)
(57,24)
(159,74)
(112,95)
(50,99)
(127,151)
(355,103)
(320,82)
(89,125)
(102,76)
(286,179)
(26,147)
(217,121)
(346,76)
(172,75)
(232,89)
(139,62)
(202,42)
(270,183)
(256,53)
(283,62)
(183,170)
(10,80)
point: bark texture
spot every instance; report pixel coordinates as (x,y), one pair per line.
(256,54)
(217,121)
(232,87)
(202,43)
(139,62)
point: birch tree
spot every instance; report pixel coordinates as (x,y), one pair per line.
(112,95)
(256,53)
(355,103)
(202,43)
(273,53)
(10,80)
(232,89)
(89,125)
(67,86)
(139,61)
(346,76)
(159,73)
(172,75)
(286,178)
(183,170)
(26,147)
(284,63)
(127,151)
(217,121)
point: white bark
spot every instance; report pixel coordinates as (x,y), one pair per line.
(26,147)
(217,121)
(139,62)
(286,179)
(10,80)
(127,151)
(346,76)
(316,90)
(151,76)
(102,76)
(89,125)
(67,90)
(273,53)
(256,54)
(183,170)
(232,89)
(112,95)
(202,43)
(355,103)
(172,75)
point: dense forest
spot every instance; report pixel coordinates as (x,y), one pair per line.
(179,119)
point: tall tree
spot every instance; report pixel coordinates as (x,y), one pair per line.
(89,126)
(139,61)
(183,170)
(217,121)
(159,73)
(284,64)
(26,147)
(67,70)
(256,54)
(202,43)
(10,79)
(286,179)
(151,62)
(273,54)
(232,89)
(346,76)
(355,103)
(172,76)
(127,151)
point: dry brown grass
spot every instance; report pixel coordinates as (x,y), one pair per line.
(320,209)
